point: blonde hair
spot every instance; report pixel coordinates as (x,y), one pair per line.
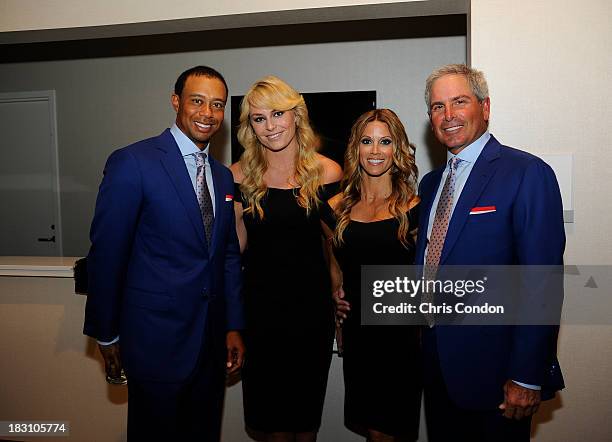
(273,93)
(404,174)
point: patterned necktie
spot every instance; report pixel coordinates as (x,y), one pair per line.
(443,213)
(439,229)
(203,194)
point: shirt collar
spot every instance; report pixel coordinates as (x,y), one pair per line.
(186,146)
(472,151)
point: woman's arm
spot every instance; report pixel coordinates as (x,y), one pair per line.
(342,306)
(238,208)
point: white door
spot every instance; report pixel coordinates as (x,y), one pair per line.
(30,222)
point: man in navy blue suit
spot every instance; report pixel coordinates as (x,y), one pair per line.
(489,205)
(164,271)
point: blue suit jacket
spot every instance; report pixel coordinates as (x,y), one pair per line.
(526,229)
(152,278)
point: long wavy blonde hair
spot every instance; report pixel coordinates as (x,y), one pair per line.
(273,93)
(404,173)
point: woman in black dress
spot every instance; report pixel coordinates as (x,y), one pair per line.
(281,183)
(375,218)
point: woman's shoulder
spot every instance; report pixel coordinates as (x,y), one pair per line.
(413,203)
(334,201)
(412,207)
(237,172)
(332,172)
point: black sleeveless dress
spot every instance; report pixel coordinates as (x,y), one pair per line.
(381,364)
(289,314)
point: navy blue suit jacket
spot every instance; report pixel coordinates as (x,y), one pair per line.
(525,229)
(153,280)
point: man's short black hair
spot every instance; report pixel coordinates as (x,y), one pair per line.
(198,71)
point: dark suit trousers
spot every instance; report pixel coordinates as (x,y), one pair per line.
(190,410)
(447,422)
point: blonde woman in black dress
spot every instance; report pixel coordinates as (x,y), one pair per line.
(375,217)
(281,183)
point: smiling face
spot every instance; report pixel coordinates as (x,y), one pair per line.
(274,129)
(457,117)
(200,108)
(376,149)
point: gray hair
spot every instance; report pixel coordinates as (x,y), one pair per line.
(475,78)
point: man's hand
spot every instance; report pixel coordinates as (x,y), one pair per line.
(519,402)
(235,351)
(112,360)
(342,306)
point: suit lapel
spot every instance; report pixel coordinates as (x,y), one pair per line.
(481,173)
(174,164)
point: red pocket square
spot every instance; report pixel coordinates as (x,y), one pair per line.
(482,210)
(229,197)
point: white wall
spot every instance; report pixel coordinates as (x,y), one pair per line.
(549,65)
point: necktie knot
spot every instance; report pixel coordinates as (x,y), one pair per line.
(200,158)
(453,163)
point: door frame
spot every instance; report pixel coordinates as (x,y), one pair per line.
(49,97)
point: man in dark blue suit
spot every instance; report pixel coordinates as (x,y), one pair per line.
(489,205)
(164,271)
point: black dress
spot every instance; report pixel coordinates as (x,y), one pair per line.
(382,364)
(289,313)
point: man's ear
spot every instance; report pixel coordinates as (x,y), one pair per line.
(486,108)
(175,100)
